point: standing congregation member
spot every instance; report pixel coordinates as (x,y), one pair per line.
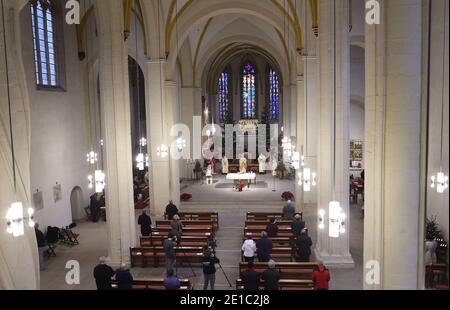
(171,281)
(169,252)
(124,278)
(42,246)
(209,269)
(297,225)
(94,207)
(171,210)
(264,247)
(249,249)
(321,277)
(177,227)
(303,243)
(272,228)
(271,277)
(146,224)
(103,274)
(288,211)
(250,278)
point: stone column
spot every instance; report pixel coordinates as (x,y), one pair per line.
(392,148)
(171,105)
(156,114)
(114,85)
(334,251)
(300,133)
(19,263)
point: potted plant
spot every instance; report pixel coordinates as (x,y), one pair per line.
(197,169)
(287,196)
(185,197)
(281,169)
(435,242)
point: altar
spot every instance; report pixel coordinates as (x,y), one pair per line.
(242,179)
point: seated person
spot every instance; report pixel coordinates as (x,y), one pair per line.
(272,228)
(124,278)
(303,243)
(297,225)
(250,278)
(171,281)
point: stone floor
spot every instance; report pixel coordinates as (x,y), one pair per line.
(232,208)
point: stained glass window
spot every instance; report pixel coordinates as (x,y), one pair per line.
(248,108)
(223,94)
(274,94)
(43,23)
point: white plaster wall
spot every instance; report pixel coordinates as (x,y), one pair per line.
(356,121)
(58,145)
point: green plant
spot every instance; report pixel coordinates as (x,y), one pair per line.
(197,169)
(281,169)
(433,231)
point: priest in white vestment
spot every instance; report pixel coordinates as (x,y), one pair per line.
(224,165)
(243,164)
(262,163)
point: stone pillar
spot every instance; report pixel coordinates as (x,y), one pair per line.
(392,148)
(19,264)
(156,115)
(171,106)
(300,133)
(187,112)
(334,251)
(114,85)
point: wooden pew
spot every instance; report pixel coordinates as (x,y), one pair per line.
(198,216)
(282,224)
(299,271)
(155,284)
(188,223)
(155,254)
(265,216)
(164,233)
(285,284)
(256,231)
(279,254)
(188,231)
(191,241)
(276,241)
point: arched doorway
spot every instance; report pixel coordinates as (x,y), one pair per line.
(76,203)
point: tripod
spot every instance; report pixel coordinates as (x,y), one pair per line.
(213,250)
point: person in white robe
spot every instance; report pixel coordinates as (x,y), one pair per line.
(262,163)
(243,164)
(224,165)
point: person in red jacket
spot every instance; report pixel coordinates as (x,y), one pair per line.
(321,277)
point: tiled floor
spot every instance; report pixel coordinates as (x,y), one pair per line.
(232,208)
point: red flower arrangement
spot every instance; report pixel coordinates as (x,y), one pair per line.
(287,196)
(185,197)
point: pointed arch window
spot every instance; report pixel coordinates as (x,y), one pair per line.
(223,94)
(273,88)
(44,39)
(248,91)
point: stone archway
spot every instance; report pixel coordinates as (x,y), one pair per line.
(77,203)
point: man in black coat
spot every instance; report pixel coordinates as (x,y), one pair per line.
(103,274)
(297,225)
(146,224)
(272,228)
(271,277)
(171,210)
(264,247)
(288,211)
(95,207)
(303,243)
(250,278)
(124,278)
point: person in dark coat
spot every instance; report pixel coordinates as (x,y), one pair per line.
(288,211)
(264,247)
(124,278)
(303,243)
(146,224)
(171,210)
(250,278)
(42,246)
(169,252)
(95,207)
(272,228)
(271,277)
(177,226)
(209,269)
(297,225)
(171,281)
(103,274)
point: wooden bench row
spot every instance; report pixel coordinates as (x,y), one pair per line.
(284,284)
(155,284)
(142,256)
(279,254)
(257,230)
(199,216)
(190,241)
(299,271)
(187,231)
(265,216)
(189,223)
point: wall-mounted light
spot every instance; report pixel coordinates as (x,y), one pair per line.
(143,141)
(440,182)
(99,181)
(181,144)
(142,161)
(307,179)
(91,157)
(162,151)
(15,219)
(336,220)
